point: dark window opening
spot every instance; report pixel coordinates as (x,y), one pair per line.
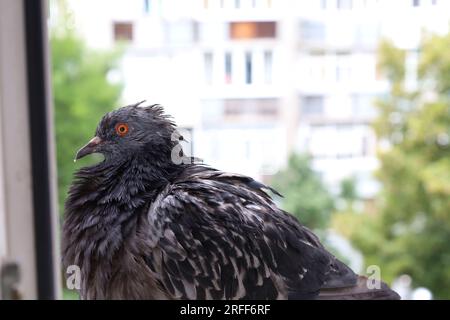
(248,68)
(364,147)
(312,31)
(123,31)
(147,6)
(208,61)
(268,62)
(312,105)
(228,67)
(252,30)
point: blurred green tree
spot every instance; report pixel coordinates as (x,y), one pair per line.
(411,233)
(348,189)
(82,94)
(305,196)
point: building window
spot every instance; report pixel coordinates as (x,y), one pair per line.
(338,73)
(343,66)
(344,4)
(208,62)
(181,32)
(343,73)
(147,6)
(248,67)
(268,62)
(312,31)
(323,4)
(237,4)
(261,107)
(205,4)
(248,150)
(312,105)
(261,4)
(228,67)
(367,34)
(252,30)
(364,147)
(123,31)
(363,105)
(416,3)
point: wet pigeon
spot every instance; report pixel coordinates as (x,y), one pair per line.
(142,224)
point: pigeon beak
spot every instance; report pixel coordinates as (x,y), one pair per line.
(89,148)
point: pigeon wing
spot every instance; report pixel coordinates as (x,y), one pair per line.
(212,239)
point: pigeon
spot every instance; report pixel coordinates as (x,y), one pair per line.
(147,222)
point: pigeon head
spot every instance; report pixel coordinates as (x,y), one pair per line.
(133,131)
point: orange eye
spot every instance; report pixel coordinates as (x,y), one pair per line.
(121,129)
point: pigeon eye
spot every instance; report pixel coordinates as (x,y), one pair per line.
(121,129)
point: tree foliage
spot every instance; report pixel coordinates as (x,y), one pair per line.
(411,232)
(304,194)
(82,94)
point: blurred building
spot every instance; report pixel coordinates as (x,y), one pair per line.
(338,80)
(254,80)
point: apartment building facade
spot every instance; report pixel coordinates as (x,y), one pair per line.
(254,80)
